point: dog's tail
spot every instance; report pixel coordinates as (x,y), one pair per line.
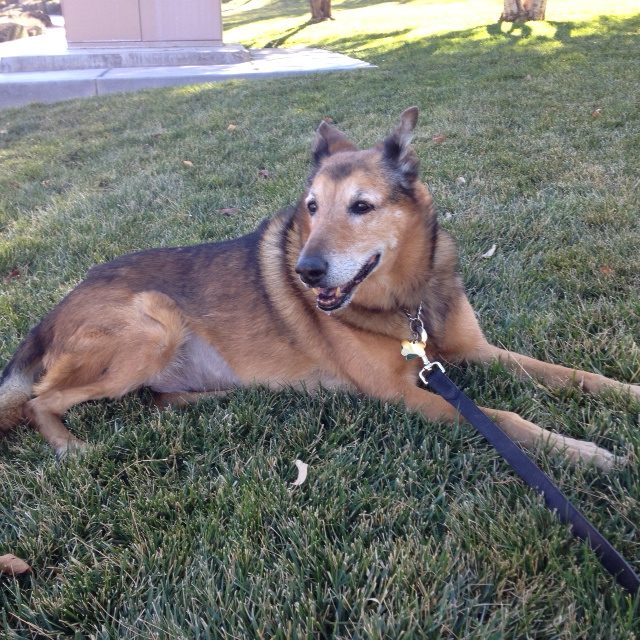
(18,377)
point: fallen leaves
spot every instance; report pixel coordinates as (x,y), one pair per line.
(596,113)
(232,126)
(12,275)
(228,211)
(606,270)
(187,163)
(264,173)
(13,566)
(438,138)
(489,254)
(302,472)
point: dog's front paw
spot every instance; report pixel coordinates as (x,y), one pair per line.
(581,452)
(612,461)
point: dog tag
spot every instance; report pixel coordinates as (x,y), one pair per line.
(413,349)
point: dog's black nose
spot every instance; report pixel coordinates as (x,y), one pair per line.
(312,269)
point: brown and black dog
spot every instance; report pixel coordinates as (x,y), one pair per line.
(317,295)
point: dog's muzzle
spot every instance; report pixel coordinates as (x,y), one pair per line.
(312,271)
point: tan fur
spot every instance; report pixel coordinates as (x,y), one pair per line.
(13,395)
(218,316)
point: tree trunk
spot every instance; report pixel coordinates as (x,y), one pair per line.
(522,10)
(320,10)
(536,9)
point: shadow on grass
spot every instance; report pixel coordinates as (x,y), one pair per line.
(279,9)
(516,30)
(565,32)
(359,4)
(287,9)
(278,42)
(604,33)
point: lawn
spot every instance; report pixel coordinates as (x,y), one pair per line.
(183,523)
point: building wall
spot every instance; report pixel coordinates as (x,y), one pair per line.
(150,22)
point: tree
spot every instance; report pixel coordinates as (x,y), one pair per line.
(320,10)
(521,10)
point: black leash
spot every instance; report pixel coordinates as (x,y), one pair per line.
(433,375)
(611,560)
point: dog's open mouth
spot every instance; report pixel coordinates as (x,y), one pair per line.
(330,299)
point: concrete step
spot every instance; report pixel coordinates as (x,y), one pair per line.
(112,58)
(19,88)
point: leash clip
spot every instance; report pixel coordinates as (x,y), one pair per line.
(428,365)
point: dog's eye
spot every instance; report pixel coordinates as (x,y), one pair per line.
(312,206)
(360,207)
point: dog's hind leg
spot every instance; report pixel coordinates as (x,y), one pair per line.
(105,357)
(45,411)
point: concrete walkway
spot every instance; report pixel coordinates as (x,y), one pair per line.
(42,69)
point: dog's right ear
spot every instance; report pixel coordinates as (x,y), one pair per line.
(329,140)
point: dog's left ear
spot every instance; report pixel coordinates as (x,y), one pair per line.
(397,151)
(330,140)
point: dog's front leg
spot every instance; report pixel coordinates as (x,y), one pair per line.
(388,376)
(464,340)
(526,433)
(555,375)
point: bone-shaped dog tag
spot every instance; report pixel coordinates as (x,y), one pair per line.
(412,349)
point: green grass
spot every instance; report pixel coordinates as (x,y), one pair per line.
(183,524)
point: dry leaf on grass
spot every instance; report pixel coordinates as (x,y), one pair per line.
(596,113)
(187,163)
(228,211)
(264,173)
(13,566)
(489,254)
(606,270)
(439,138)
(12,275)
(302,472)
(232,127)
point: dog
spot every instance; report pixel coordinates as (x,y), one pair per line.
(317,296)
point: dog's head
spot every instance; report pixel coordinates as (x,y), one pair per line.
(359,213)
